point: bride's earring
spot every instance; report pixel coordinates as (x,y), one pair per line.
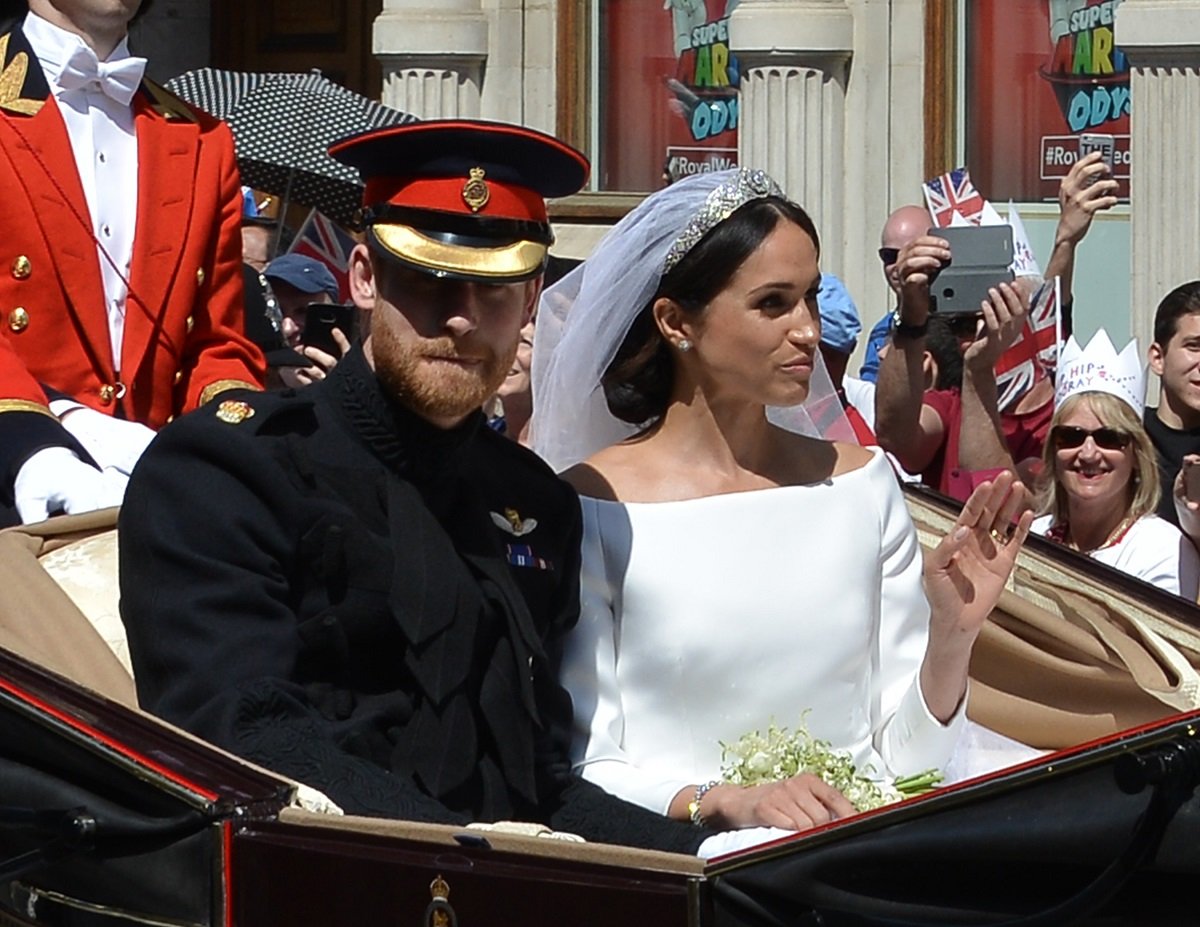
(684,345)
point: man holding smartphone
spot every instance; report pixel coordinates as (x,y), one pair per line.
(298,282)
(949,435)
(359,584)
(944,435)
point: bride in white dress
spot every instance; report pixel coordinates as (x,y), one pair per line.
(736,572)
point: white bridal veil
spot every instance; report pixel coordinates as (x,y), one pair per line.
(584,317)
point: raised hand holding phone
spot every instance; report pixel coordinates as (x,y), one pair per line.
(321,320)
(1087,189)
(1105,145)
(1186,493)
(1191,478)
(329,333)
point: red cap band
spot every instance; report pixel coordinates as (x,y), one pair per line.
(448,194)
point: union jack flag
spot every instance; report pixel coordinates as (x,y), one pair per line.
(324,240)
(1035,353)
(953,193)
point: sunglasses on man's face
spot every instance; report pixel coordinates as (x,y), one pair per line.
(963,326)
(889,256)
(1067,437)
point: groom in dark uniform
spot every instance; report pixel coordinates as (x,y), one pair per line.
(359,584)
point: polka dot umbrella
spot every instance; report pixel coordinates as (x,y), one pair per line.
(282,124)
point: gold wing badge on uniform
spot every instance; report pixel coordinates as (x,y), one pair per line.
(166,104)
(521,555)
(12,81)
(513,523)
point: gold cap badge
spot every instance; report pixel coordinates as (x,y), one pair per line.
(475,192)
(234,411)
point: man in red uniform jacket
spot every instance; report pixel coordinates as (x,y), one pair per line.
(120,263)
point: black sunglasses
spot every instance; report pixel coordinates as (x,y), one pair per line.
(889,256)
(965,325)
(1066,437)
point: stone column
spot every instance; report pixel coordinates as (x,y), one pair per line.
(795,56)
(433,55)
(1162,40)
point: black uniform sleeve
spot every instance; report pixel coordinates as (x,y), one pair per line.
(208,539)
(581,807)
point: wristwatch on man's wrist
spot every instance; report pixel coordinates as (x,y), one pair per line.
(902,329)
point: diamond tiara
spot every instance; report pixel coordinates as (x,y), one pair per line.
(720,204)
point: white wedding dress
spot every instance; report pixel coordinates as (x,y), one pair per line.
(708,618)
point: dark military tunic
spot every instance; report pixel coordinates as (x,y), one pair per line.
(326,584)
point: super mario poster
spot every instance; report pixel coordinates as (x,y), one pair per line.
(1039,73)
(669,91)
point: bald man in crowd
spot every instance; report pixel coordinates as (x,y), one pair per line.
(901,227)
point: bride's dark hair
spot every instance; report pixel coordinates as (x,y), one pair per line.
(637,384)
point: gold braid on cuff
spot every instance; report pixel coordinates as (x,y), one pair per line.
(221,386)
(25,405)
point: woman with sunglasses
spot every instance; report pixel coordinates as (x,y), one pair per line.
(1101,483)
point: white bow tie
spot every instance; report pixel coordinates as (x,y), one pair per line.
(116,79)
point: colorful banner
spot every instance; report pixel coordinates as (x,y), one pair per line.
(1039,73)
(668,95)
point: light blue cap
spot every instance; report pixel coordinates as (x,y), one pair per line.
(840,325)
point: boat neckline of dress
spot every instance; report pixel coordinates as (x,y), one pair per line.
(876,455)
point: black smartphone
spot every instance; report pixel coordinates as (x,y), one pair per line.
(320,319)
(980,256)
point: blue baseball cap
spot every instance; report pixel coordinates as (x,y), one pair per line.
(839,316)
(306,274)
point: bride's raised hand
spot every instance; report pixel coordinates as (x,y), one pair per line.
(797,803)
(966,572)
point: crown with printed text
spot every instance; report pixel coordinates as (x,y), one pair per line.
(1099,368)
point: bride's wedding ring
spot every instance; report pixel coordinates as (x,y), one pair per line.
(999,538)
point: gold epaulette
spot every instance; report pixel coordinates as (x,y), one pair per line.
(12,82)
(166,103)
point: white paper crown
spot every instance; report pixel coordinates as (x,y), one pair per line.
(1099,368)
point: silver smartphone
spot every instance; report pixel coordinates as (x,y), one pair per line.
(980,258)
(1105,144)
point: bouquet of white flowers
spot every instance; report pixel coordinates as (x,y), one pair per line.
(780,754)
